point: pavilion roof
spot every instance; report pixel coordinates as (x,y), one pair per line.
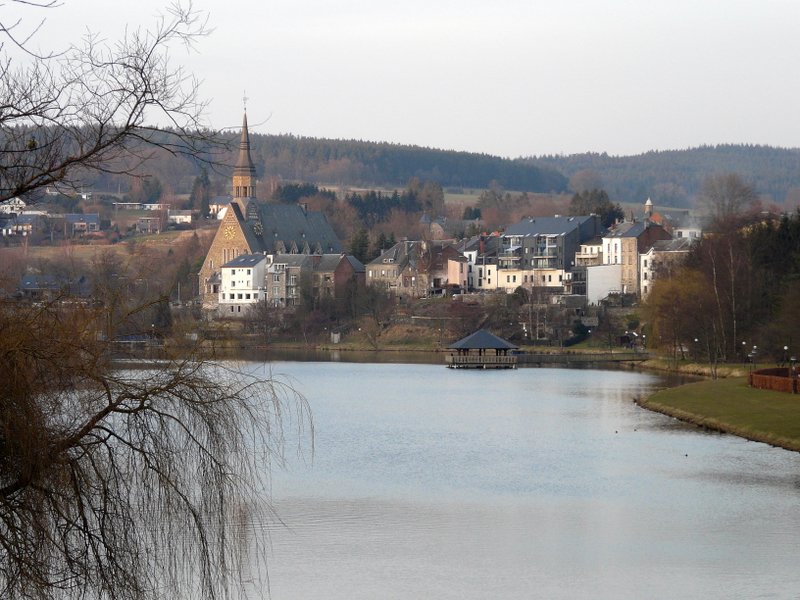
(482,339)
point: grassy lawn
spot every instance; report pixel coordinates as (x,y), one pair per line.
(730,405)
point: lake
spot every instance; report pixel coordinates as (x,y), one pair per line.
(534,483)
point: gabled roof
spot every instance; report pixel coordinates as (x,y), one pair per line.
(482,340)
(245,260)
(73,218)
(358,266)
(674,245)
(546,225)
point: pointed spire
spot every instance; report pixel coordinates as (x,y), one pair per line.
(244,166)
(244,173)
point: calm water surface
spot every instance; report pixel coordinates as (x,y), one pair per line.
(535,483)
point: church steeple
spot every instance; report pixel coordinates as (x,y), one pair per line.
(244,173)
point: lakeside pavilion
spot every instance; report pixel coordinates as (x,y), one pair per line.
(482,350)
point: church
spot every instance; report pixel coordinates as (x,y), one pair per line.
(252,227)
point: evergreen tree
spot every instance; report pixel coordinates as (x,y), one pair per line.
(200,197)
(359,245)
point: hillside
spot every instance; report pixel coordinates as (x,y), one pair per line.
(669,178)
(674,177)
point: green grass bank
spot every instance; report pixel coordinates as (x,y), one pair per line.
(731,406)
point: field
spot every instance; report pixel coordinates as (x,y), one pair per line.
(731,406)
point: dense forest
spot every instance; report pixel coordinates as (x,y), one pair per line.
(674,177)
(670,178)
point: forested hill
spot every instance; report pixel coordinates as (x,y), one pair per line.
(351,162)
(673,178)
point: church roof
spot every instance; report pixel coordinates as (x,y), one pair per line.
(290,228)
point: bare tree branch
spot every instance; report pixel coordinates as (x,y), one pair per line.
(100,107)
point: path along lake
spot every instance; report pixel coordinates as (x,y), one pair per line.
(428,482)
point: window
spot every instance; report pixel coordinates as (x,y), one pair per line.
(644,275)
(276,277)
(247,296)
(233,284)
(645,263)
(275,290)
(238,296)
(508,278)
(549,278)
(514,279)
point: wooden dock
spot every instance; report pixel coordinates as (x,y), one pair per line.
(484,361)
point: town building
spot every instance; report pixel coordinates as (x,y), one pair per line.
(622,245)
(661,259)
(414,269)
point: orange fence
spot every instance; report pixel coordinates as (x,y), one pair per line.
(779,380)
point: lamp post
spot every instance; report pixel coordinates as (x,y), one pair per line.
(785,356)
(744,353)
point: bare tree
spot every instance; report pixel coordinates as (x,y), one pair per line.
(115,483)
(127,484)
(726,197)
(95,106)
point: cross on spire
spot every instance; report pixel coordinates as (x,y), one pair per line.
(244,101)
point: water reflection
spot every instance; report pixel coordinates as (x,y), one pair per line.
(536,483)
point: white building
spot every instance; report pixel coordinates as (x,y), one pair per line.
(601,281)
(14,206)
(242,284)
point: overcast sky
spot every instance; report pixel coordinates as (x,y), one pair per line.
(505,77)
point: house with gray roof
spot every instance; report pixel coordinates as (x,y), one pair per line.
(546,242)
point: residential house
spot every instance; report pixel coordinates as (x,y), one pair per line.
(242,284)
(661,259)
(546,242)
(13,206)
(479,250)
(78,224)
(148,225)
(278,280)
(413,269)
(179,217)
(543,251)
(622,245)
(38,287)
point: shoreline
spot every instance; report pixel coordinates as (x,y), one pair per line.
(730,406)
